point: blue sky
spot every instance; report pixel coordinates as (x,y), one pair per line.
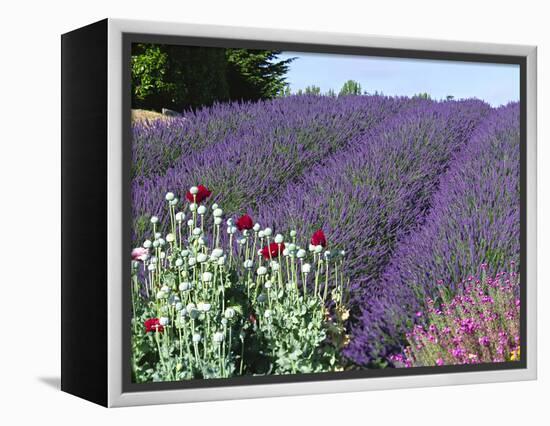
(497,84)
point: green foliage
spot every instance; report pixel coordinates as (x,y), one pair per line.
(177,77)
(422,96)
(313,90)
(255,74)
(286,91)
(180,77)
(149,71)
(295,333)
(350,87)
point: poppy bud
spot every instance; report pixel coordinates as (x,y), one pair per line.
(218,252)
(218,337)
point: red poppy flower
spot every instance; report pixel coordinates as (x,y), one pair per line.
(244,222)
(200,196)
(318,238)
(252,318)
(153,324)
(272,251)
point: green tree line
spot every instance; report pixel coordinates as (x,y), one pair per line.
(182,77)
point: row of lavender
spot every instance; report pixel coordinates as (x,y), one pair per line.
(251,158)
(158,145)
(473,221)
(367,170)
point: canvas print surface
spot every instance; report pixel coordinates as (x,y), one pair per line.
(302,213)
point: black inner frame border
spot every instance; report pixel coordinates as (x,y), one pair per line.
(129,38)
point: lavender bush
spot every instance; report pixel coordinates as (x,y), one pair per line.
(156,144)
(473,219)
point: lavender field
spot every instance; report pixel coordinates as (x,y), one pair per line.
(414,199)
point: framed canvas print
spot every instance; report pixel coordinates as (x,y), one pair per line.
(252,212)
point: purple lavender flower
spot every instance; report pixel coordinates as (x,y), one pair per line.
(473,219)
